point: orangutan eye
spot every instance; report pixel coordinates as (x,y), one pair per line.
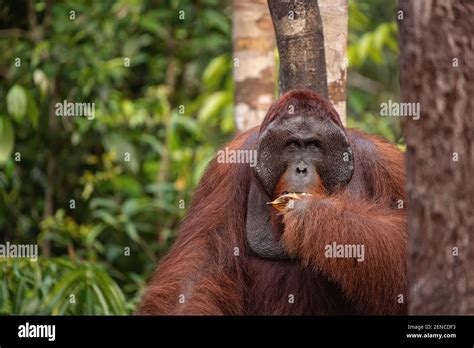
(292,145)
(314,145)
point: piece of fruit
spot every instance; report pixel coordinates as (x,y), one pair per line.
(282,201)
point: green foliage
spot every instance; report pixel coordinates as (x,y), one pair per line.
(103,195)
(16,102)
(373,66)
(6,139)
(57,286)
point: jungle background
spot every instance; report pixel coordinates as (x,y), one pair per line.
(102,221)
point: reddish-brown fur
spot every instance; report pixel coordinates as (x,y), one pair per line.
(203,265)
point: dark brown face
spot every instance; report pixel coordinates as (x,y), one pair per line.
(303,154)
(300,175)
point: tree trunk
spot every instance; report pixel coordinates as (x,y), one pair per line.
(254,58)
(312,44)
(335,25)
(300,39)
(437,55)
(254,62)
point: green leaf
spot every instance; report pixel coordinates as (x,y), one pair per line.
(376,56)
(131,231)
(7,139)
(41,80)
(227,124)
(111,292)
(207,154)
(17,102)
(19,296)
(188,123)
(32,110)
(353,56)
(214,71)
(135,206)
(212,105)
(382,31)
(106,217)
(125,150)
(59,294)
(392,43)
(101,298)
(5,305)
(363,46)
(153,141)
(217,20)
(128,185)
(103,203)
